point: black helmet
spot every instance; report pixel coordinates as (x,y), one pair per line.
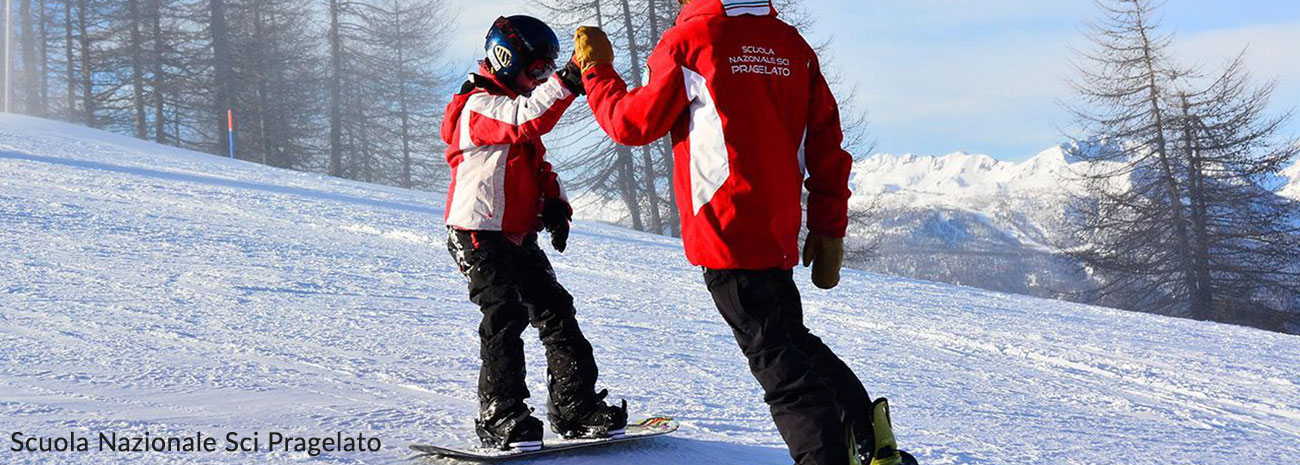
(521,44)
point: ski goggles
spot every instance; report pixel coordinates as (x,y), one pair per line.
(541,69)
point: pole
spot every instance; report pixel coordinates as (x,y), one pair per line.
(9,23)
(230,131)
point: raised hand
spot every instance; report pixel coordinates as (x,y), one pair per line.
(591,47)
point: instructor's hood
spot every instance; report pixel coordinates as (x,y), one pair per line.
(704,8)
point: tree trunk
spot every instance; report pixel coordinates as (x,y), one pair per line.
(156,81)
(624,182)
(654,24)
(87,82)
(1170,180)
(404,109)
(70,113)
(1203,293)
(363,149)
(42,19)
(651,187)
(137,70)
(260,63)
(650,178)
(665,145)
(335,89)
(674,218)
(29,86)
(627,186)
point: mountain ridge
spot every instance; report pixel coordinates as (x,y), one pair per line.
(940,218)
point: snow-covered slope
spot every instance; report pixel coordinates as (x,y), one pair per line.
(148,289)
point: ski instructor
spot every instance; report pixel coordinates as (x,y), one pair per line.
(752,120)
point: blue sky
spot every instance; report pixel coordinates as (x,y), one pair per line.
(986,76)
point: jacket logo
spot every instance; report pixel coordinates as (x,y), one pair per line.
(500,57)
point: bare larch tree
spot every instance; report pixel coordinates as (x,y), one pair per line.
(1180,218)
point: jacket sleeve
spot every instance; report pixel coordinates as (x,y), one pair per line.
(499,119)
(550,183)
(827,163)
(644,114)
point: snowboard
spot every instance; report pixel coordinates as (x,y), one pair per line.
(644,429)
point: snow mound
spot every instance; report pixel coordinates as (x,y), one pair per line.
(151,289)
(1292,188)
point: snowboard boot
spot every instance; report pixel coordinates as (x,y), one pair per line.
(509,428)
(589,419)
(874,444)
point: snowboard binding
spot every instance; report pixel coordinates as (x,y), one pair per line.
(594,420)
(513,429)
(874,444)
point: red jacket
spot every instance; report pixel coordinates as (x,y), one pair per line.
(752,120)
(499,173)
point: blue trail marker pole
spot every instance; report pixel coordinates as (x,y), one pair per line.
(230,131)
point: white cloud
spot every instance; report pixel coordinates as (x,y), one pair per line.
(1272,49)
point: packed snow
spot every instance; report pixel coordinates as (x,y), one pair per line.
(150,289)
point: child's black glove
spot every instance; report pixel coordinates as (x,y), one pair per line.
(571,76)
(555,219)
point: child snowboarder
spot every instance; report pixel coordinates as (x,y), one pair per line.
(502,193)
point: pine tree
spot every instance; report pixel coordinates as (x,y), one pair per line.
(407,42)
(1179,219)
(1245,237)
(277,74)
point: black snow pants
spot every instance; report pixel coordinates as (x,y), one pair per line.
(811,392)
(514,285)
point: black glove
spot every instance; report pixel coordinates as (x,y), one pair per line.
(555,218)
(571,76)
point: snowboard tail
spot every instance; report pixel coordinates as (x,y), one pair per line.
(644,429)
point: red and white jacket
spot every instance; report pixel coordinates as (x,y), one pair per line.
(499,172)
(753,122)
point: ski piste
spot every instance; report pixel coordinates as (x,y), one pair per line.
(644,429)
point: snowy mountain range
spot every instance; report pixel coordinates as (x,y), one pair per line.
(970,219)
(152,290)
(960,174)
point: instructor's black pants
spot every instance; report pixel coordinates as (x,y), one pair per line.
(811,392)
(514,285)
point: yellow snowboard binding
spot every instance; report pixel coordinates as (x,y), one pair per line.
(880,448)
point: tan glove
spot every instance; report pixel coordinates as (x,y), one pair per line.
(826,254)
(591,47)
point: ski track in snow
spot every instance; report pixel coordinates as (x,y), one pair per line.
(153,289)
